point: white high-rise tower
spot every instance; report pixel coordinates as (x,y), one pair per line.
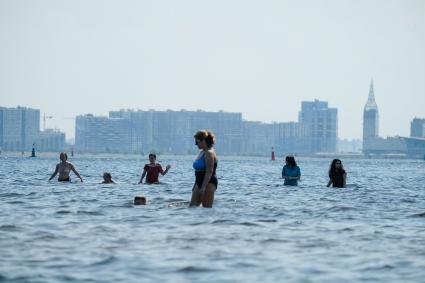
(370,119)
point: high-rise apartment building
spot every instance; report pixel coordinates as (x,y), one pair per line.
(19,128)
(321,124)
(417,128)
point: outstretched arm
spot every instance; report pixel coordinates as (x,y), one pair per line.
(143,176)
(344,180)
(329,183)
(166,170)
(76,172)
(54,173)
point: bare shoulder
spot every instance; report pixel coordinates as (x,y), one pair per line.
(211,154)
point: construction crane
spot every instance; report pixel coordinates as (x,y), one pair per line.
(44,120)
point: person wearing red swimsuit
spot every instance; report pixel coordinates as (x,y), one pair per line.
(152,170)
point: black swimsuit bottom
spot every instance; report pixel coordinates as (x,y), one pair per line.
(65,180)
(200,175)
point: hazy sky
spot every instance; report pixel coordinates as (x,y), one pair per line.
(261,58)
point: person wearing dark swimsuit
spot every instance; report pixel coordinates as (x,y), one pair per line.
(337,175)
(205,167)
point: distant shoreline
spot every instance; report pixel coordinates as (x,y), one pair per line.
(278,157)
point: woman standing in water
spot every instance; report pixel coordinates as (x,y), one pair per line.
(205,167)
(64,168)
(337,175)
(291,172)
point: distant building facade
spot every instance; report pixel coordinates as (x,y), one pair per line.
(350,146)
(321,123)
(19,128)
(51,140)
(172,131)
(142,131)
(102,134)
(417,128)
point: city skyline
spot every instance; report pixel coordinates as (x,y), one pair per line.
(315,131)
(45,124)
(257,58)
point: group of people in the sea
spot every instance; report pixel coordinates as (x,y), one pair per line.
(205,166)
(291,173)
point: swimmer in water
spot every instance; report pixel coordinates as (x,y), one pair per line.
(107,178)
(152,170)
(139,200)
(205,167)
(337,175)
(291,172)
(64,168)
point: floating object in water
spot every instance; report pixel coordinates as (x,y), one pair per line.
(273,156)
(139,200)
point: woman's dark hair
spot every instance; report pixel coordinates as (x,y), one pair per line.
(107,175)
(152,154)
(332,168)
(64,155)
(207,136)
(291,161)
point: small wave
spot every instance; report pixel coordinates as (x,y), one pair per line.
(408,200)
(272,240)
(196,223)
(179,204)
(222,221)
(19,279)
(419,214)
(11,195)
(104,261)
(46,237)
(16,202)
(63,212)
(176,200)
(9,228)
(89,212)
(376,268)
(341,208)
(250,224)
(348,229)
(267,220)
(190,269)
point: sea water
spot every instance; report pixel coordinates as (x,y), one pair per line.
(257,231)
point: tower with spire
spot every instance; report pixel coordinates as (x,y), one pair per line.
(370,119)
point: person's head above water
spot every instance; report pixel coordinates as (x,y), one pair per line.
(139,200)
(107,177)
(63,156)
(335,165)
(204,139)
(152,157)
(290,161)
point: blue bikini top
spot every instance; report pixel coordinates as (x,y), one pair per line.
(199,164)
